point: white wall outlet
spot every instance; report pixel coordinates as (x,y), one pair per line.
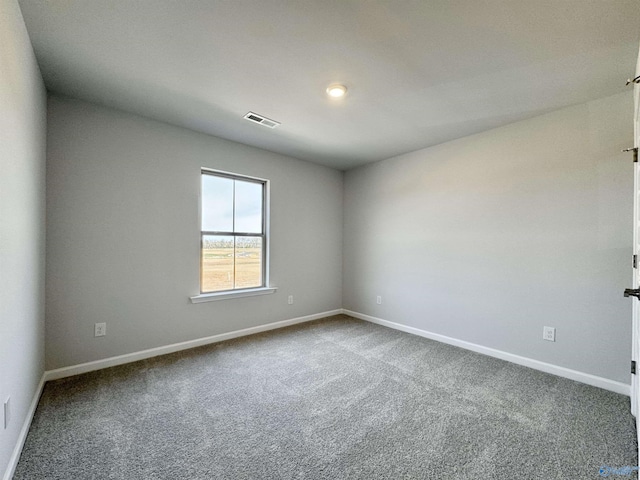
(549,333)
(101,330)
(290,300)
(379,300)
(6,412)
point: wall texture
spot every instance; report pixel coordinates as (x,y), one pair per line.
(123,234)
(22,183)
(491,237)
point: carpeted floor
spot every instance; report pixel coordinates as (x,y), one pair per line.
(332,399)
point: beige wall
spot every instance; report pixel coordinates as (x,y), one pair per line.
(489,238)
(123,234)
(22,235)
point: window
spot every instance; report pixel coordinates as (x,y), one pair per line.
(233,232)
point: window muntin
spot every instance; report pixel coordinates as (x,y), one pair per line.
(233,232)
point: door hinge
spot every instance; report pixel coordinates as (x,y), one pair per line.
(635,80)
(633,367)
(635,261)
(635,153)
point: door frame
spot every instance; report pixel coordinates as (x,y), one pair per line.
(635,334)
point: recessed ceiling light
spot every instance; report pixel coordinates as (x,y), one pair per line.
(336,90)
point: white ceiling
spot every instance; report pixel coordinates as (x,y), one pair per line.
(418,72)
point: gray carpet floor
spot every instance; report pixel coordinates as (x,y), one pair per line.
(332,399)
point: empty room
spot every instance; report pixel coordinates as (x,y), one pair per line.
(319,239)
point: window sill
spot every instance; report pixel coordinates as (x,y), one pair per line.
(214,297)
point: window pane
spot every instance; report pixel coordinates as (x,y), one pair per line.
(248,208)
(217,263)
(248,262)
(217,204)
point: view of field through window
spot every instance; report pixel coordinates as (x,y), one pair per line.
(227,264)
(232,233)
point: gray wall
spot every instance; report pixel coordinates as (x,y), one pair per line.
(22,167)
(489,238)
(123,234)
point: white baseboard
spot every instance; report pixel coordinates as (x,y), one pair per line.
(582,377)
(132,357)
(589,379)
(24,431)
(176,347)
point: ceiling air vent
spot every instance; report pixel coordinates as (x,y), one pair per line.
(267,122)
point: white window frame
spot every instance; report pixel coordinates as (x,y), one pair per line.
(265,289)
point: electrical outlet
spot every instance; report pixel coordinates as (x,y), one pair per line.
(101,330)
(379,300)
(549,333)
(6,412)
(290,300)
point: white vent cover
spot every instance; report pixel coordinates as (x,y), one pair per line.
(257,118)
